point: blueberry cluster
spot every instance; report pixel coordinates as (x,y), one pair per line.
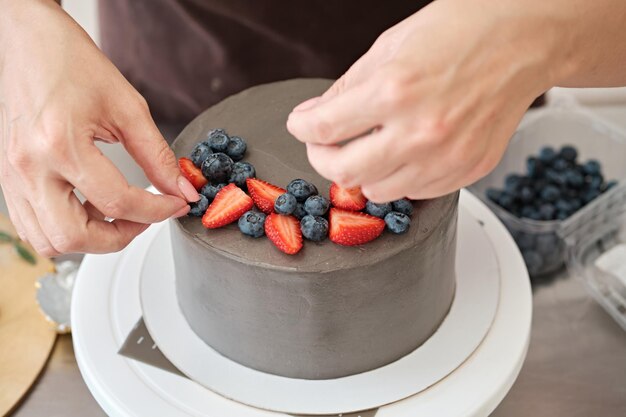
(541,252)
(219,158)
(303,201)
(397,214)
(554,187)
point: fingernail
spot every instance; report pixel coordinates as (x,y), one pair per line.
(185,187)
(306,105)
(180,213)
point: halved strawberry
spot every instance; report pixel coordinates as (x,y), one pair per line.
(347,198)
(192,173)
(284,232)
(229,205)
(264,194)
(351,228)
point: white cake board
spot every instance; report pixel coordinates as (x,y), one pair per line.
(106,306)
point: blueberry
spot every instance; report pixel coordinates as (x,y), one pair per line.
(217,167)
(301,189)
(314,227)
(547,211)
(210,190)
(550,193)
(527,194)
(574,178)
(512,182)
(285,204)
(534,261)
(218,140)
(530,212)
(564,206)
(199,207)
(591,167)
(236,148)
(589,195)
(242,171)
(595,181)
(547,154)
(562,215)
(525,241)
(569,153)
(380,209)
(299,212)
(252,223)
(397,222)
(316,205)
(576,203)
(560,164)
(491,193)
(556,177)
(507,201)
(534,167)
(200,153)
(403,206)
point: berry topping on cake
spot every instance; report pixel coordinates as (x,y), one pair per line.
(403,206)
(218,140)
(252,223)
(301,189)
(316,205)
(284,232)
(299,212)
(347,198)
(200,153)
(397,222)
(192,173)
(241,172)
(350,228)
(285,204)
(217,168)
(264,194)
(210,190)
(198,208)
(236,148)
(229,205)
(314,227)
(379,210)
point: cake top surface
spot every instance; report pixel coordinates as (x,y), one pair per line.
(259,115)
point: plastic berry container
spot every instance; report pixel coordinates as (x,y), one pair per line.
(545,244)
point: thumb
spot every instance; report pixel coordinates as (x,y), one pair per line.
(144,142)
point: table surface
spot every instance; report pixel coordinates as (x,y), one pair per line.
(576,363)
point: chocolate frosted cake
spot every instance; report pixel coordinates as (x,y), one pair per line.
(328,311)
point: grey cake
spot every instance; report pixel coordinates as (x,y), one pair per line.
(329,311)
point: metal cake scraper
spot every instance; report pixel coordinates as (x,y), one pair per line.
(140,346)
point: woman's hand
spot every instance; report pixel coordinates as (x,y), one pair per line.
(434,102)
(59,94)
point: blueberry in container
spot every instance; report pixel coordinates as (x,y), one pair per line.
(548,142)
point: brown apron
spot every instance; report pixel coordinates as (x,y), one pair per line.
(184,55)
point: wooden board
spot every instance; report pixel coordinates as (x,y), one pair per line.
(26,338)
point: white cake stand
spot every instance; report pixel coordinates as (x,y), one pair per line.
(106,305)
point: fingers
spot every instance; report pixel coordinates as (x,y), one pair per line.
(36,236)
(106,188)
(71,227)
(146,145)
(346,115)
(360,161)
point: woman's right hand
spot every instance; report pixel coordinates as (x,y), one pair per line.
(58,94)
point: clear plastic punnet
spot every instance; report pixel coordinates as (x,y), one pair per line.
(551,242)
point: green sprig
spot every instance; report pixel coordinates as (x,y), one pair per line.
(23,253)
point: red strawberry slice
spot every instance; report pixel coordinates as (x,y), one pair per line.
(264,194)
(351,228)
(284,232)
(192,173)
(229,205)
(347,198)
